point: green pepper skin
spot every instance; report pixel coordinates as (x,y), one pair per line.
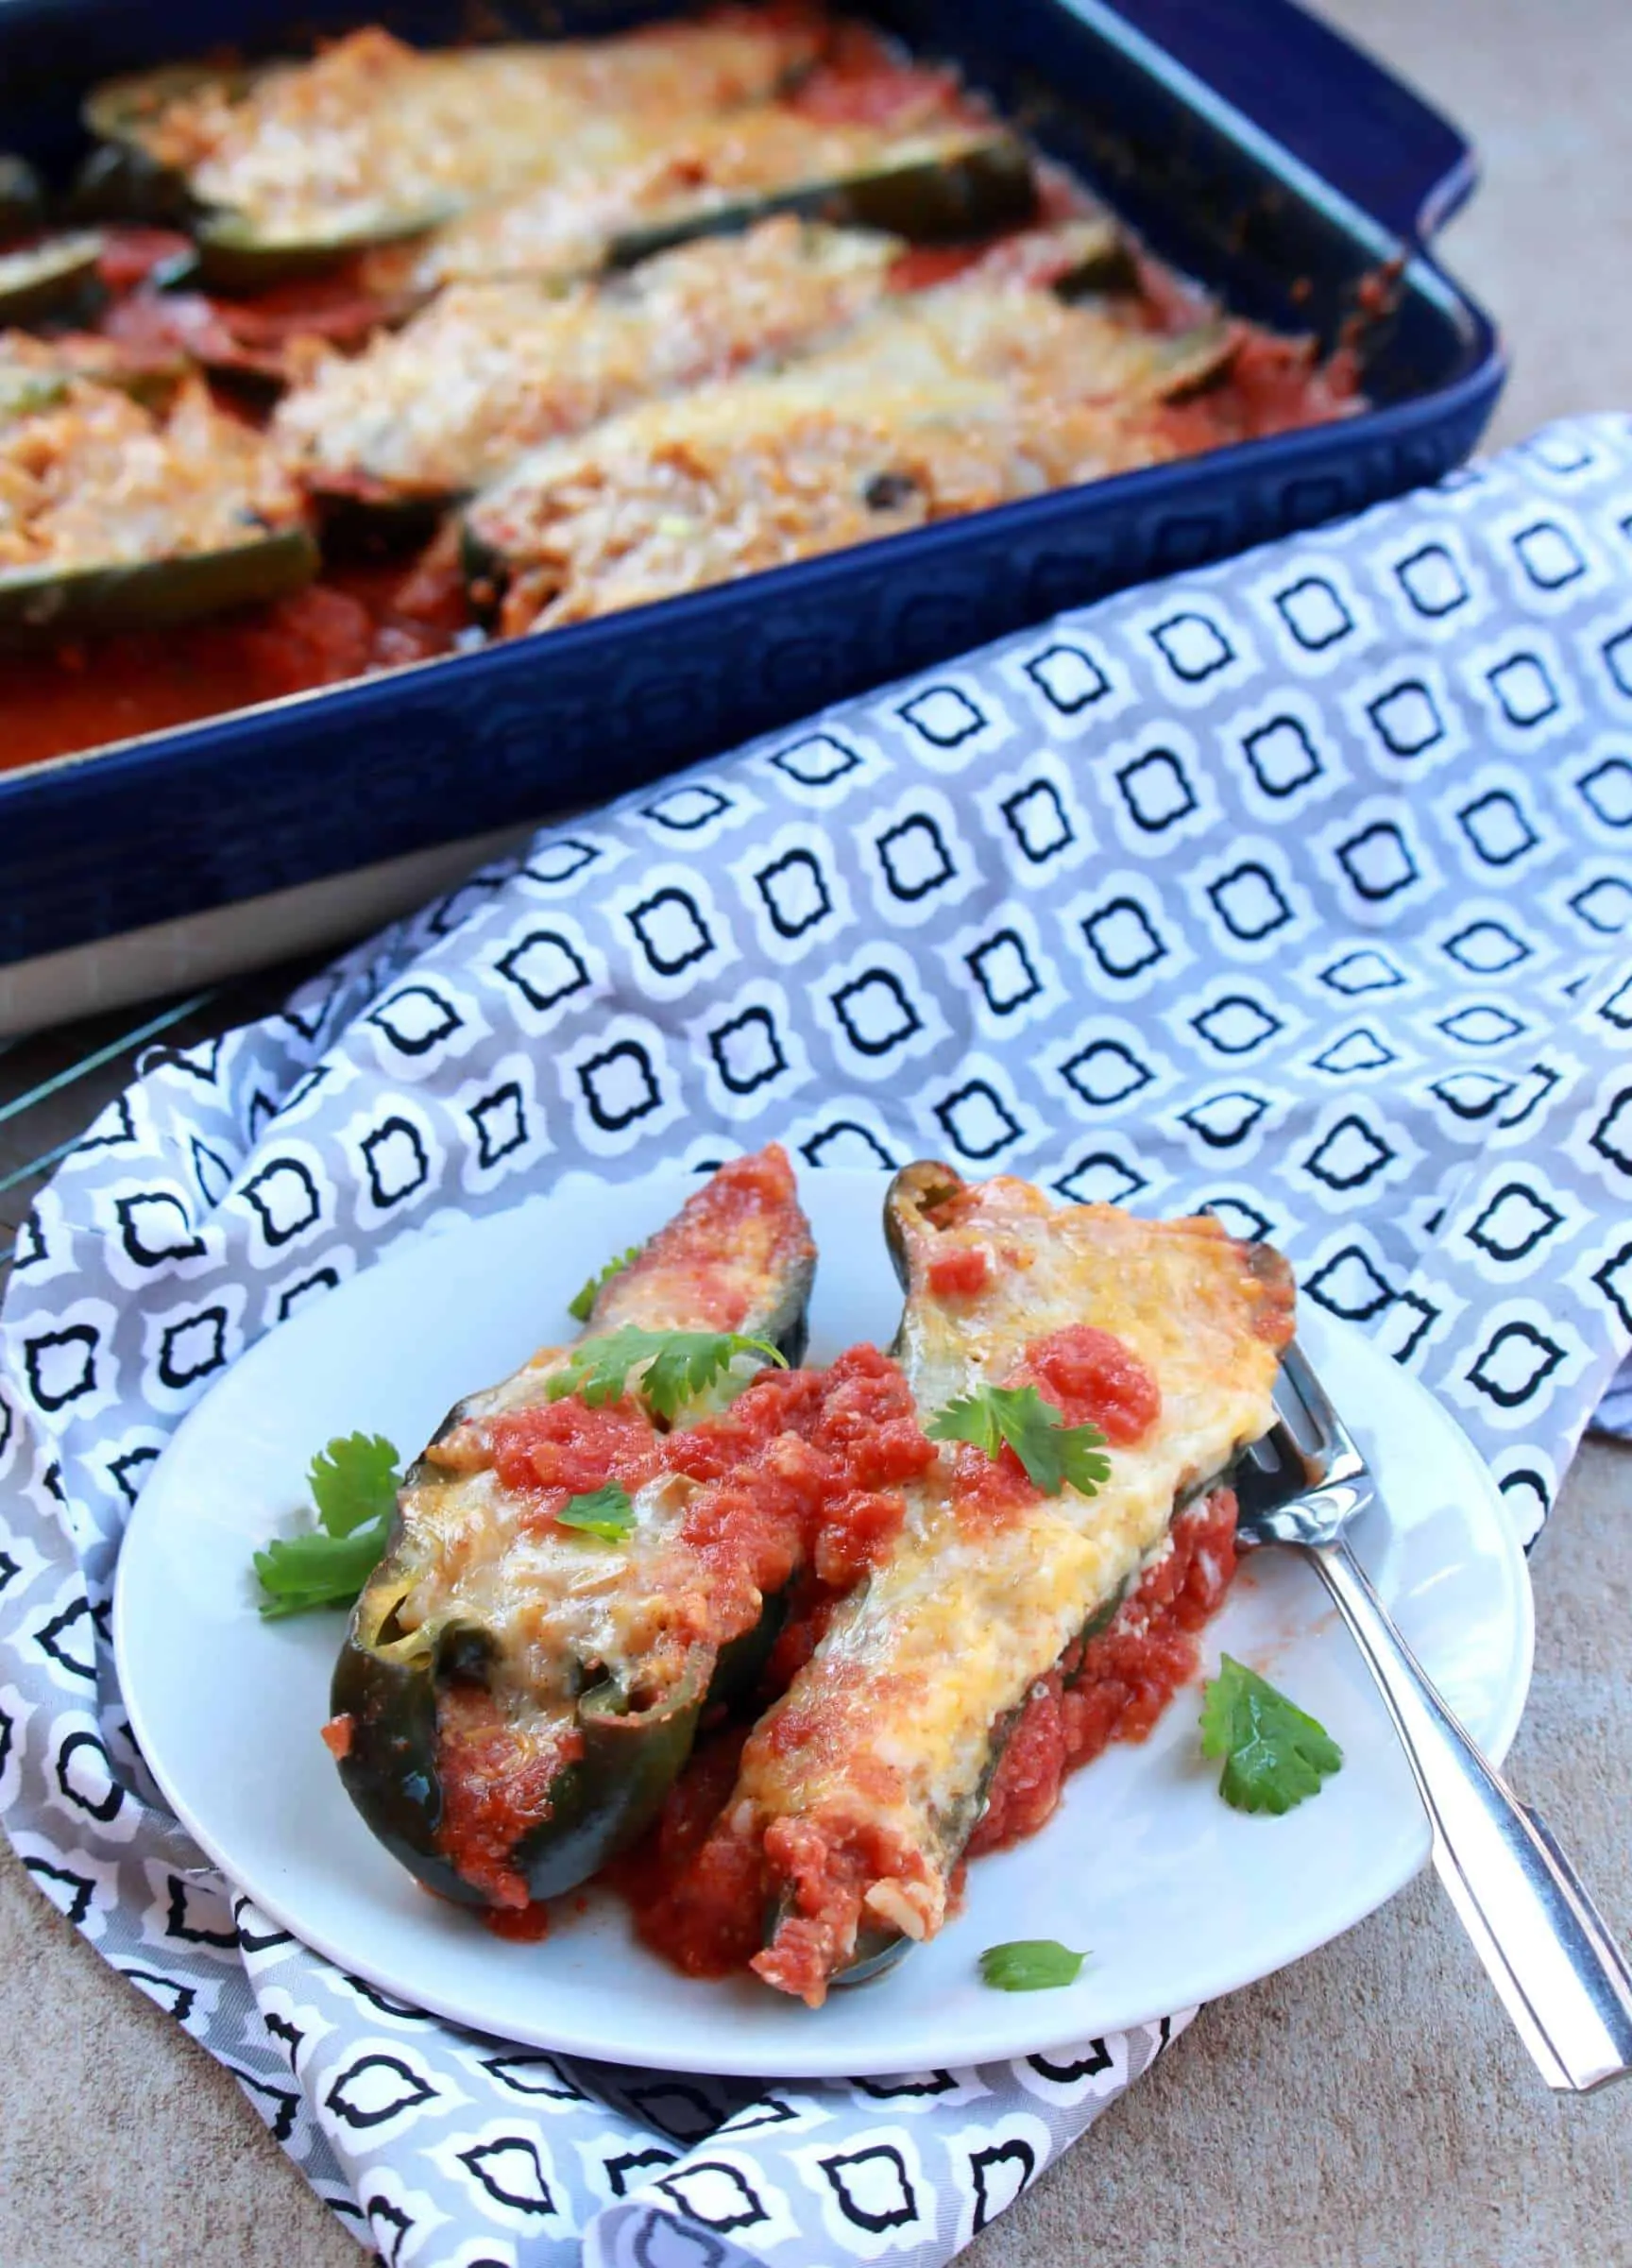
(388,1681)
(39,606)
(1102,261)
(48,277)
(974,188)
(611,1793)
(785,1325)
(233,257)
(741,1660)
(364,521)
(120,182)
(389,1771)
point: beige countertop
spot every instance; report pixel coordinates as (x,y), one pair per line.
(1368,2106)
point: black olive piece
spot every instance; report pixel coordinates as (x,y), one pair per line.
(888,491)
(465,1655)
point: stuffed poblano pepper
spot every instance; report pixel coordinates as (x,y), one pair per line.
(1086,1375)
(118,513)
(938,179)
(978,391)
(489,370)
(584,1558)
(493,368)
(288,167)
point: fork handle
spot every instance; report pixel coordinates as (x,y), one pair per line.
(1562,1978)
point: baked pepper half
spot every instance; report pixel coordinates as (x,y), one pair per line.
(1152,1347)
(488,370)
(120,513)
(967,393)
(289,166)
(568,1585)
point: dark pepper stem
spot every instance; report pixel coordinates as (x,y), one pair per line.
(914,1192)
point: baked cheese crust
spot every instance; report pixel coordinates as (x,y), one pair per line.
(566,223)
(371,128)
(932,404)
(883,1742)
(490,370)
(89,477)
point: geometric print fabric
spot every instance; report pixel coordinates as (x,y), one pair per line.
(1299,887)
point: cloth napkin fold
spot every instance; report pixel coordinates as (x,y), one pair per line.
(1300,886)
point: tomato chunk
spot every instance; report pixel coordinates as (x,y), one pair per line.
(1094,1378)
(960,1273)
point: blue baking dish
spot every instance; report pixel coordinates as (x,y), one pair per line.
(1254,148)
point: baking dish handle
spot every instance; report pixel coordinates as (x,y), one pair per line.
(1321,98)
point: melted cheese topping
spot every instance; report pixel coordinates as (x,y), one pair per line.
(92,479)
(973,394)
(736,1257)
(553,1599)
(1031,338)
(891,1722)
(371,130)
(756,473)
(490,370)
(565,224)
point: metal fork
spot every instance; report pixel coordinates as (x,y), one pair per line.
(1562,1978)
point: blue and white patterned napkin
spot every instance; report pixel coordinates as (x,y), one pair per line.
(1301,886)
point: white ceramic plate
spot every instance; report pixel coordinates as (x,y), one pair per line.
(1178,1898)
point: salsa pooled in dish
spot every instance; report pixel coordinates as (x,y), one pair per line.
(332,364)
(774,1651)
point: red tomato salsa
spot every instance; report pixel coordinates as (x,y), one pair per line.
(803,1474)
(1092,1378)
(699,1897)
(1117,1685)
(493,1788)
(356,620)
(960,1273)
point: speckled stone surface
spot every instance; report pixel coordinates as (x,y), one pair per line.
(1368,2106)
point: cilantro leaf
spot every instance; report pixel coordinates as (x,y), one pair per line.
(1031,1965)
(1275,1756)
(605,1513)
(581,1305)
(355,1480)
(676,1365)
(298,1573)
(1052,1451)
(354,1483)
